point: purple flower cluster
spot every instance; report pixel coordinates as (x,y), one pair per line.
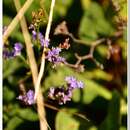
(62,94)
(14,52)
(53,56)
(40,37)
(28,98)
(73,83)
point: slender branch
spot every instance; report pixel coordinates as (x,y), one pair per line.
(67,112)
(62,29)
(87,56)
(33,66)
(50,20)
(15,21)
(43,55)
(109,42)
(77,40)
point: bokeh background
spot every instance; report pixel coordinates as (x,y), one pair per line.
(103,100)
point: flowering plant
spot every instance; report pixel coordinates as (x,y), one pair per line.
(68,70)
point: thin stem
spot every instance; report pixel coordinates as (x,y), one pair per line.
(67,112)
(50,20)
(15,21)
(43,54)
(88,56)
(34,70)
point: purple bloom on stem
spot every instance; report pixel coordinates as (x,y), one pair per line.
(54,52)
(41,38)
(65,99)
(53,56)
(73,83)
(34,35)
(12,53)
(62,94)
(6,54)
(28,98)
(17,49)
(43,42)
(80,84)
(60,59)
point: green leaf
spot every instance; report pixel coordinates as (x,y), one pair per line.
(123,107)
(8,94)
(94,23)
(90,92)
(112,121)
(98,74)
(28,114)
(13,123)
(5,118)
(85,3)
(123,128)
(66,122)
(10,66)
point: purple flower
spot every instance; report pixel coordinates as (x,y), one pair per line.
(41,38)
(7,54)
(17,49)
(62,94)
(53,56)
(73,83)
(28,98)
(80,84)
(34,35)
(54,51)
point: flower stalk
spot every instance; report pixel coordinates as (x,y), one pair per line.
(43,54)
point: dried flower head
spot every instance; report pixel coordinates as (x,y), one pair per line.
(65,45)
(38,17)
(61,29)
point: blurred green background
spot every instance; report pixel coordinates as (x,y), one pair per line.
(104,98)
